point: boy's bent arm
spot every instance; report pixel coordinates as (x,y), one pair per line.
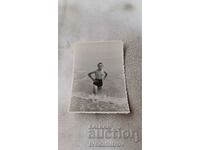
(90,75)
(105,75)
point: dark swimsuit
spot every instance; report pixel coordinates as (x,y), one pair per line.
(98,82)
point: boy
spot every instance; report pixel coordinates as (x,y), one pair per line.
(100,75)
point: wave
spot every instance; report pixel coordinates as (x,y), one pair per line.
(103,98)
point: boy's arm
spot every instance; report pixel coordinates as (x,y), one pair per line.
(105,75)
(90,75)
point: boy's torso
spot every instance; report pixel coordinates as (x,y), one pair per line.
(99,74)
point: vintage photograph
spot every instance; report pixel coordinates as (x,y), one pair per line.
(98,78)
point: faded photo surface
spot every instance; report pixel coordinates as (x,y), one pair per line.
(98,78)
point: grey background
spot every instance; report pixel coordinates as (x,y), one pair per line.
(99,20)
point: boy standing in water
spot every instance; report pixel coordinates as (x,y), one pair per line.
(100,75)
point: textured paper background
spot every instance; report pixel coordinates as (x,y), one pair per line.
(100,20)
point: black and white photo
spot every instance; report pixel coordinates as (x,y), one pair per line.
(98,78)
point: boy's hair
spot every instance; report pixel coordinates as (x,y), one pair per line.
(100,63)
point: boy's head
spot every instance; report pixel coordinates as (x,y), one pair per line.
(100,65)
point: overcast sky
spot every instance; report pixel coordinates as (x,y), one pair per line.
(109,53)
